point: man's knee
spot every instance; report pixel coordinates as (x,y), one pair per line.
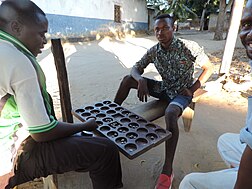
(224,137)
(128,82)
(225,140)
(187,182)
(172,113)
(127,79)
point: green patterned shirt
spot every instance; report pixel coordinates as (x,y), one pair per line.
(175,65)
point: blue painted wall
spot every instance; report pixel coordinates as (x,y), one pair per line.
(72,26)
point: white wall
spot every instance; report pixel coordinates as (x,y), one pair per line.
(132,10)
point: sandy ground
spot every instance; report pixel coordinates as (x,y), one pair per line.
(95,70)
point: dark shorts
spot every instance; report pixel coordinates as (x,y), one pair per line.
(180,100)
(97,155)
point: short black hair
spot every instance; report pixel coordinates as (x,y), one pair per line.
(26,10)
(163,16)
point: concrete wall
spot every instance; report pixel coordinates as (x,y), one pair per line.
(87,17)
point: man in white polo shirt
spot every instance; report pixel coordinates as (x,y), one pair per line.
(33,143)
(235,149)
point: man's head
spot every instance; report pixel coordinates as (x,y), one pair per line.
(25,21)
(246,28)
(164,27)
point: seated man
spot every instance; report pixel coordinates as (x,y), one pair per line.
(235,149)
(230,149)
(175,60)
(33,143)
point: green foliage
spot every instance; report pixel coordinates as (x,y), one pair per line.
(182,9)
(177,8)
(198,5)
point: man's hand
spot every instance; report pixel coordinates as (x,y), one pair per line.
(90,125)
(186,92)
(142,91)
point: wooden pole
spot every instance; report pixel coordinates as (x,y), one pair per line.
(232,36)
(65,100)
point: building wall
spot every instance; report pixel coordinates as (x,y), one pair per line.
(86,17)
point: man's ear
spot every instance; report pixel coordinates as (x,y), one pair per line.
(16,27)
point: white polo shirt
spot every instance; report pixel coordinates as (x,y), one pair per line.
(19,79)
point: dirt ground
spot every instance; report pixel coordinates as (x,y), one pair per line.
(95,69)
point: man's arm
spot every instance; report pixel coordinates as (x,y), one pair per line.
(136,73)
(245,170)
(32,109)
(142,89)
(64,130)
(204,76)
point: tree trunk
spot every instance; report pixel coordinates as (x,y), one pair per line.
(218,35)
(202,19)
(203,16)
(231,4)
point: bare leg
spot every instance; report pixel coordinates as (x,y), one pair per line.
(172,114)
(127,83)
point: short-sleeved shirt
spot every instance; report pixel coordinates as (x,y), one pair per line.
(175,64)
(25,106)
(246,132)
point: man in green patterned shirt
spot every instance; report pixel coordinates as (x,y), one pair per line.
(174,60)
